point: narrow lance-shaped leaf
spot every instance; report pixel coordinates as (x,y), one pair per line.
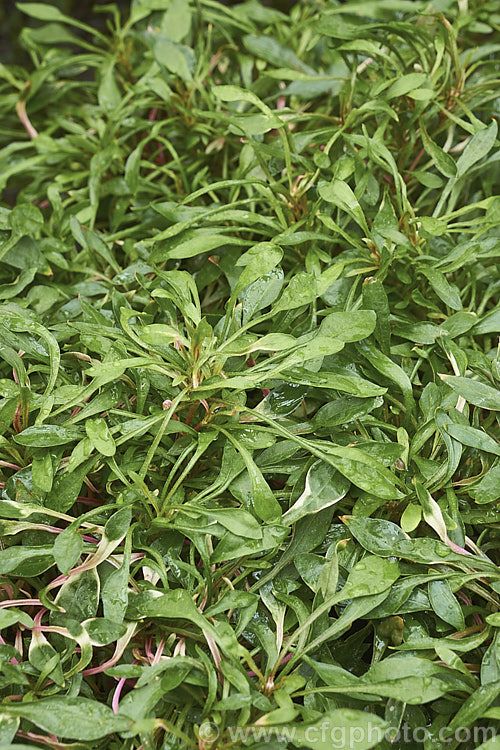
(265,504)
(340,194)
(478,147)
(443,161)
(432,512)
(391,370)
(475,392)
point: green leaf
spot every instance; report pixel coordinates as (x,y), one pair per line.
(324,487)
(411,517)
(490,323)
(117,526)
(364,471)
(343,728)
(67,549)
(268,48)
(265,504)
(42,11)
(340,380)
(474,438)
(108,93)
(7,291)
(263,258)
(48,435)
(474,707)
(431,511)
(390,370)
(488,489)
(443,161)
(102,632)
(371,575)
(351,326)
(445,605)
(189,244)
(230,93)
(79,595)
(232,547)
(175,57)
(11,616)
(429,226)
(301,290)
(375,298)
(405,84)
(492,744)
(478,147)
(114,594)
(99,434)
(444,290)
(176,21)
(474,392)
(340,194)
(175,604)
(236,520)
(66,487)
(42,471)
(72,718)
(344,410)
(374,534)
(25,561)
(261,293)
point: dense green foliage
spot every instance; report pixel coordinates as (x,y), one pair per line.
(249,377)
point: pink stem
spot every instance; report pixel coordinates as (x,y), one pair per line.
(23,116)
(90,539)
(120,648)
(38,617)
(50,740)
(477,619)
(20,603)
(116,695)
(8,590)
(88,501)
(159,652)
(147,648)
(457,548)
(215,654)
(91,486)
(8,465)
(283,661)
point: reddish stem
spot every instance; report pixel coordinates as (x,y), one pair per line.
(116,695)
(23,116)
(414,164)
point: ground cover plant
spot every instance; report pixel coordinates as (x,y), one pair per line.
(249,377)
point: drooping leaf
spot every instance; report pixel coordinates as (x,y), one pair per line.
(74,718)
